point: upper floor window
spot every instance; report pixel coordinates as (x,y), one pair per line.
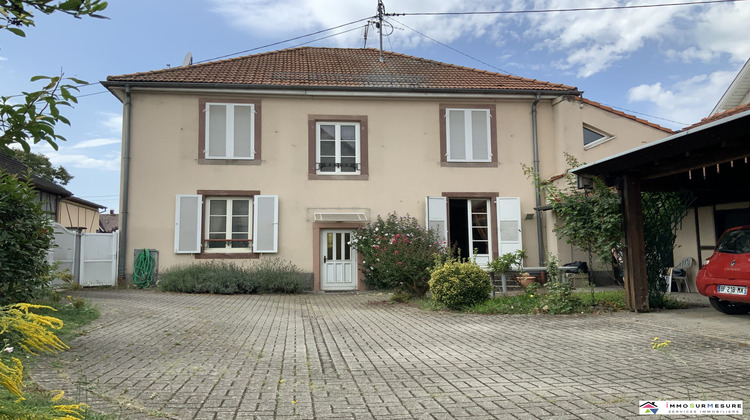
(229,131)
(338,147)
(593,137)
(468,136)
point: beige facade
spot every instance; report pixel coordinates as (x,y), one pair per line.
(401,141)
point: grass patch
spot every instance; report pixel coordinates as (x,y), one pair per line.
(270,275)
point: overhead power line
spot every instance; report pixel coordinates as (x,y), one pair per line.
(576,9)
(288,40)
(451,48)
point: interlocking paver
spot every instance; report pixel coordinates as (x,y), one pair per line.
(351,356)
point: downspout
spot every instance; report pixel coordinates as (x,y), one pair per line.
(123,223)
(535,138)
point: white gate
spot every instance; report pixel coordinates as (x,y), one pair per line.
(90,257)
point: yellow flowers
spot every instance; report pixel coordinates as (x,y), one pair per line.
(11,377)
(34,328)
(655,344)
(58,397)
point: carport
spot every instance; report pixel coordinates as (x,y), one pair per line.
(708,159)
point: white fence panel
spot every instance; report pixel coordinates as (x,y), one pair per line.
(65,251)
(98,259)
(90,257)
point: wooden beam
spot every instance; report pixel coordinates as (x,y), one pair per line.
(636,279)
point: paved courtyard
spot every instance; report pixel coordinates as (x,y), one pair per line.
(352,356)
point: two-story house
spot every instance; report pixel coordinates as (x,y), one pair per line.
(283,154)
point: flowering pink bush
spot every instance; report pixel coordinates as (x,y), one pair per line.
(397,254)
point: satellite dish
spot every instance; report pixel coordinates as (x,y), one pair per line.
(188,59)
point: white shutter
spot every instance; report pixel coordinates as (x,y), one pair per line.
(436,211)
(187,230)
(509,224)
(266,223)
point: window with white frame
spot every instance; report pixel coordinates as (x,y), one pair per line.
(230,131)
(337,148)
(226,224)
(468,135)
(228,227)
(593,136)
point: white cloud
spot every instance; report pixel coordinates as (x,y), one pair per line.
(584,43)
(96,143)
(106,161)
(112,121)
(686,101)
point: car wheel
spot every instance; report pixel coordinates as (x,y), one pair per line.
(729,308)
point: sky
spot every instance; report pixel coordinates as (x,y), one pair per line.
(669,65)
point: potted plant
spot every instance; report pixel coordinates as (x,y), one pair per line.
(509,263)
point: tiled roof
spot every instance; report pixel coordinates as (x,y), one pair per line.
(14,166)
(356,68)
(622,114)
(716,117)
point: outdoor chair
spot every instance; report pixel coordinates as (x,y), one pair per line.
(679,274)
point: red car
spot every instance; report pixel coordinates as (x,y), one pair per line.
(725,277)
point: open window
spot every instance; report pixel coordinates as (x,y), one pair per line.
(480,224)
(226,224)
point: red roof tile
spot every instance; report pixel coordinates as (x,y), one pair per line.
(716,117)
(622,114)
(307,67)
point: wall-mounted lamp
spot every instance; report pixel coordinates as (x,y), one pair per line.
(585,183)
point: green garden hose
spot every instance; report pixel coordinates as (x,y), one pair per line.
(143,269)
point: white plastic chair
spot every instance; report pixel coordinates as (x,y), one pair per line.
(680,274)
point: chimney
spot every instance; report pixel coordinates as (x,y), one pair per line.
(111,211)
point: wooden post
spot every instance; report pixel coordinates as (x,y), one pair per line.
(636,279)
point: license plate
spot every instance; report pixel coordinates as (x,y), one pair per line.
(732,290)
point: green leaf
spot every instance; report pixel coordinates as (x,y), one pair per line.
(16,31)
(40,77)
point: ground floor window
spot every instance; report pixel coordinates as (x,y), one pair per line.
(228,227)
(469,226)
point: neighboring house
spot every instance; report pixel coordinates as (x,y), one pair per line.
(50,194)
(109,222)
(283,154)
(737,94)
(77,213)
(64,208)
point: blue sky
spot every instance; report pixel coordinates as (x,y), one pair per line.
(673,63)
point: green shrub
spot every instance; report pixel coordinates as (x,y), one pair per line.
(397,254)
(560,299)
(25,238)
(269,275)
(459,284)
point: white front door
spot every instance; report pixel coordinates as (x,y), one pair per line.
(338,264)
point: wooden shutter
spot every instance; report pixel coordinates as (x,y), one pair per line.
(266,223)
(187,231)
(509,224)
(436,211)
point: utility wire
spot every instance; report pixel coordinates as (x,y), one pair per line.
(645,115)
(454,49)
(286,40)
(578,9)
(328,36)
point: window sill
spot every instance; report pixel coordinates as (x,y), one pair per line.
(469,164)
(598,142)
(339,177)
(226,256)
(202,161)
